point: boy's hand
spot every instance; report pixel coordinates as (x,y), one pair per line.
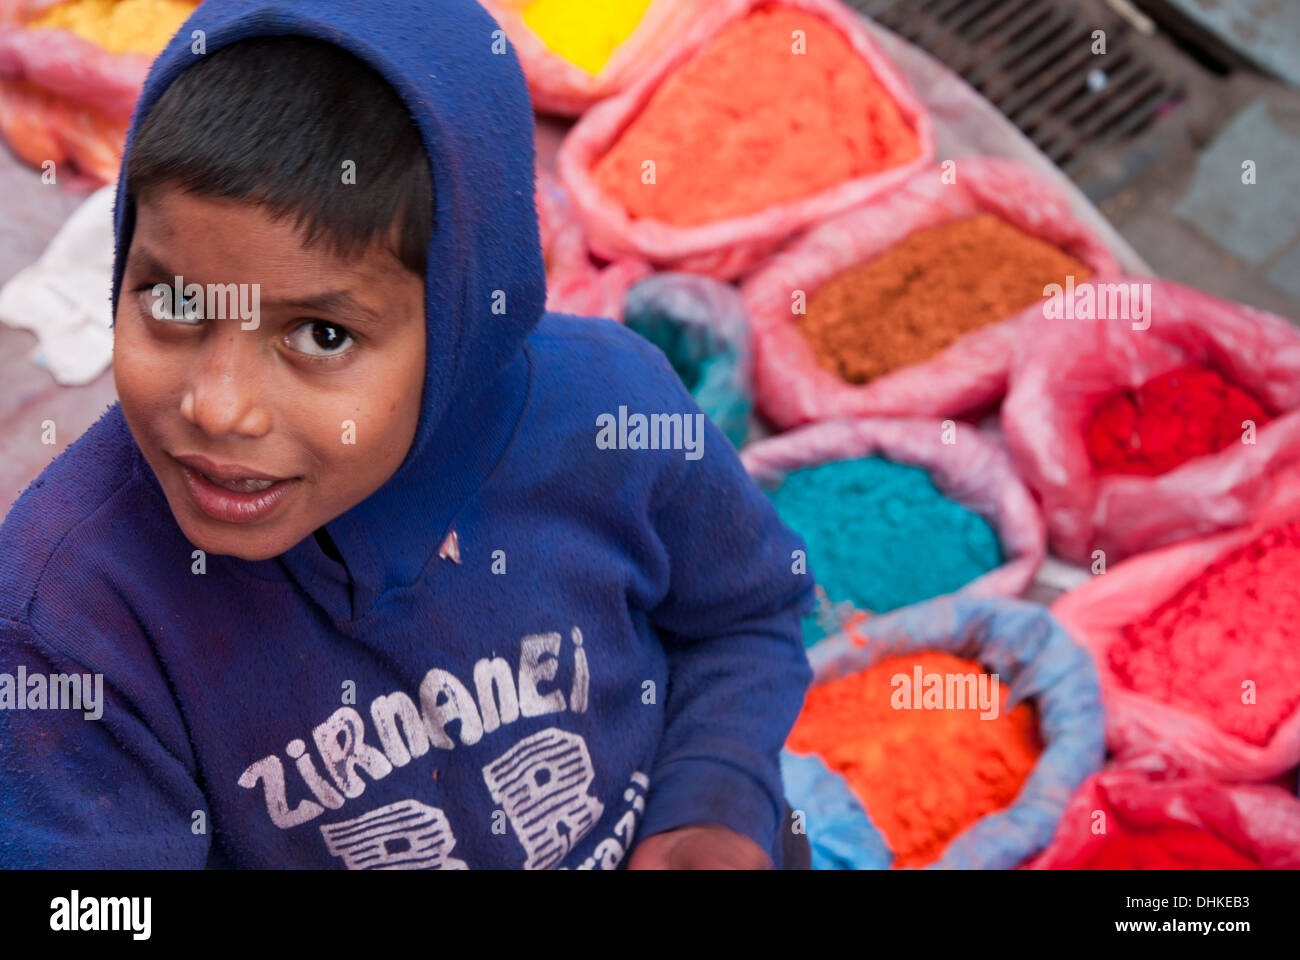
(704,847)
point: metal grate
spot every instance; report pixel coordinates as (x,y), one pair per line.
(1033,60)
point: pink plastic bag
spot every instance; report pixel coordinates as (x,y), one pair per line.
(560,86)
(63,98)
(1260,822)
(723,249)
(793,388)
(1064,367)
(974,471)
(574,282)
(1139,726)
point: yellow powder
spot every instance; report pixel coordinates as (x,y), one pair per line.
(121,26)
(585,31)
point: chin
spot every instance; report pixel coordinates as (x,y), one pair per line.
(242,544)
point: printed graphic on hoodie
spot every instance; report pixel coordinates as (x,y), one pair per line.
(541,784)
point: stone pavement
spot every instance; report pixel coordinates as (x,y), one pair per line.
(1210,196)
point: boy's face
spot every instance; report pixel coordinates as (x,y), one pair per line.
(265,424)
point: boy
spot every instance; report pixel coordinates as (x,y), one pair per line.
(361,586)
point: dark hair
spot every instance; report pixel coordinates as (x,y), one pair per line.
(272,120)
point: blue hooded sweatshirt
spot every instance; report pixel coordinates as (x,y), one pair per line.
(611,650)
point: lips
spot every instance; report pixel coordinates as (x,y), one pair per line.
(232,493)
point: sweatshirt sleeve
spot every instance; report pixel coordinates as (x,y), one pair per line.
(737,671)
(80,791)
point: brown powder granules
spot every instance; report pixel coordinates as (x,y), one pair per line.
(919,296)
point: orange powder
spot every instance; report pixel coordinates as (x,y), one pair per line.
(923,775)
(749,122)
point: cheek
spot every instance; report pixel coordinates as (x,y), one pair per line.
(364,432)
(399,390)
(406,392)
(397,405)
(146,379)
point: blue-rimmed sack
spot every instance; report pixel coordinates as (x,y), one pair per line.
(701,327)
(1024,645)
(840,833)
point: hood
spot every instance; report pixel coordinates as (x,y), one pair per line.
(472,108)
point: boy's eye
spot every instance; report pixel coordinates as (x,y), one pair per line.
(319,338)
(158,301)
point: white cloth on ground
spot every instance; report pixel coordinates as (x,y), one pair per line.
(64,297)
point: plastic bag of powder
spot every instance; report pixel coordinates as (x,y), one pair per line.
(974,470)
(700,324)
(1028,649)
(1139,727)
(1062,368)
(63,98)
(1258,822)
(574,282)
(558,85)
(726,248)
(793,388)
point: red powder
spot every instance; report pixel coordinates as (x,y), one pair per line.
(1239,620)
(1167,421)
(749,122)
(922,775)
(1162,846)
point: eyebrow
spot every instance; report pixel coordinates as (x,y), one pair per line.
(145,262)
(333,301)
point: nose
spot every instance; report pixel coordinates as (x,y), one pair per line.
(226,396)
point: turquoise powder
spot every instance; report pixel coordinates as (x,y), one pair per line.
(881,536)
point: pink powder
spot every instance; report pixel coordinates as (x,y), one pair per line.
(1238,621)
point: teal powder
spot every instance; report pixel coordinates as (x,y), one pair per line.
(676,319)
(881,536)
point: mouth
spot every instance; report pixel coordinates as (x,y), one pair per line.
(233,493)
